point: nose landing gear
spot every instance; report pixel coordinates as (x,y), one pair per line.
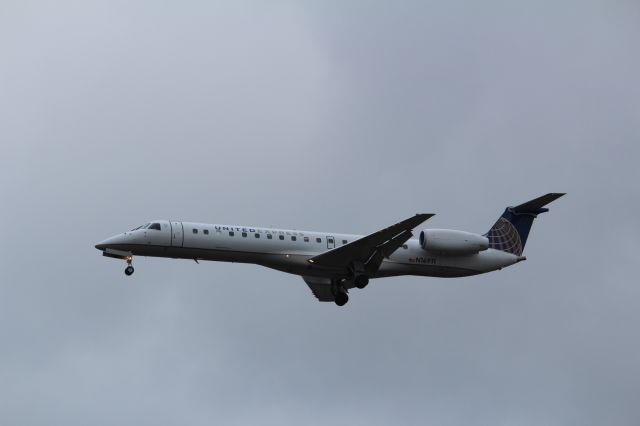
(129,269)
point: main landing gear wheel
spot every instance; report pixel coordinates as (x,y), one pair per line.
(340,295)
(361,281)
(341,298)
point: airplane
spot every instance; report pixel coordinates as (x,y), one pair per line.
(332,264)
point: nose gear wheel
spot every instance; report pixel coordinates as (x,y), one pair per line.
(129,269)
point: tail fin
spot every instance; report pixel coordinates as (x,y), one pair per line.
(511,230)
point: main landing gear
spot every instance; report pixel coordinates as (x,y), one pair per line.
(342,297)
(129,269)
(359,274)
(340,294)
(361,281)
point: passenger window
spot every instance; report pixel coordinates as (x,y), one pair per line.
(257,235)
(293,238)
(206,232)
(344,241)
(155,226)
(318,240)
(231,234)
(195,231)
(244,234)
(306,239)
(282,237)
(269,236)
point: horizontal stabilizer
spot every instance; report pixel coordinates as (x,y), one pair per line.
(536,204)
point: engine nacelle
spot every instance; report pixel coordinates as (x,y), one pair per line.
(452,242)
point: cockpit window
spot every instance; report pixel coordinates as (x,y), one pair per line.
(140,227)
(154,226)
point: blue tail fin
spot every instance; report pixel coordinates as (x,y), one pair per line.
(511,230)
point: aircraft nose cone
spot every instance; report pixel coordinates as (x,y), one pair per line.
(101,245)
(109,242)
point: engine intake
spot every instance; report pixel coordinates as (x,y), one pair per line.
(449,241)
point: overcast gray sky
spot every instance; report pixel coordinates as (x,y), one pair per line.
(342,116)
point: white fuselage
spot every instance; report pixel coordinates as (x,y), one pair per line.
(289,250)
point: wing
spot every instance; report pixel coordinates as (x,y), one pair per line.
(321,288)
(372,249)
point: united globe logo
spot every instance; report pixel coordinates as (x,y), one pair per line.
(504,236)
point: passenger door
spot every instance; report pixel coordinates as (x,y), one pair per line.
(177,234)
(331,242)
